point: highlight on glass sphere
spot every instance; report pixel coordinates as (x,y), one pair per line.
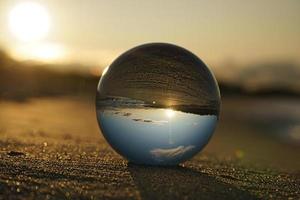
(157,104)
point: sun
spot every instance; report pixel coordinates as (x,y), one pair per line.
(29,21)
(170,113)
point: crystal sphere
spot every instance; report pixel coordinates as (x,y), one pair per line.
(157,104)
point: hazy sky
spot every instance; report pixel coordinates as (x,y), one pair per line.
(96,31)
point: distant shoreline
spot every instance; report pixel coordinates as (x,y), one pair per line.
(121,102)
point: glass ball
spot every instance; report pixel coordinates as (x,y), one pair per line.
(157,104)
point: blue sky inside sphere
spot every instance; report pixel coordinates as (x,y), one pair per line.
(156,136)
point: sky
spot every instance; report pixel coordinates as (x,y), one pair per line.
(95,32)
(156,136)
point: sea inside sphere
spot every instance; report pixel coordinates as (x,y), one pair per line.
(157,104)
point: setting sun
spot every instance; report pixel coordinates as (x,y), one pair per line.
(170,113)
(29,21)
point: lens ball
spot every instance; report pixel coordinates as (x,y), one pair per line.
(157,104)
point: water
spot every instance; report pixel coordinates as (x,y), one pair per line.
(157,104)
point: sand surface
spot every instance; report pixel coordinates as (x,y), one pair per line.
(51,148)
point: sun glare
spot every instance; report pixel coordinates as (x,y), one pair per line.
(48,52)
(43,52)
(29,21)
(170,113)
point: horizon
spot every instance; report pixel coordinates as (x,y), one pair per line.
(218,33)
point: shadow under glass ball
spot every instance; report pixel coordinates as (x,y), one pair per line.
(157,104)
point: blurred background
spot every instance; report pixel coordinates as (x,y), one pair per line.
(54,51)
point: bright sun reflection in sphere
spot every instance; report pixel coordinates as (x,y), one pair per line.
(170,113)
(105,70)
(29,21)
